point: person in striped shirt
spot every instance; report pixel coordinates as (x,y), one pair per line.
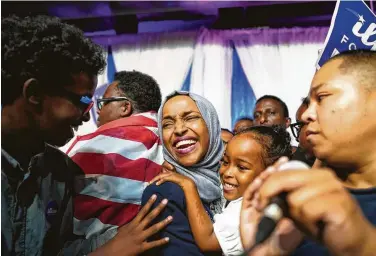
(119,158)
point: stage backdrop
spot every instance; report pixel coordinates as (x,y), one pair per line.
(231,68)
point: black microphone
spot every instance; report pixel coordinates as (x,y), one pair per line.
(276,209)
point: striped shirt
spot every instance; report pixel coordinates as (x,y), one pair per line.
(117,160)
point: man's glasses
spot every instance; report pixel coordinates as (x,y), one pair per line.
(102,102)
(296,128)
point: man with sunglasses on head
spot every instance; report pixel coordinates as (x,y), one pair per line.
(304,151)
(49,74)
(120,157)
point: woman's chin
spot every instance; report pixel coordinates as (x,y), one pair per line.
(187,163)
(188,160)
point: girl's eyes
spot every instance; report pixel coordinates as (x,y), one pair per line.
(224,162)
(241,167)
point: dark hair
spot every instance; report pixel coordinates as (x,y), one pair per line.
(283,104)
(275,141)
(245,118)
(359,62)
(46,49)
(226,130)
(141,89)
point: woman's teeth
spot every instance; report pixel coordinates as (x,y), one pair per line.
(184,143)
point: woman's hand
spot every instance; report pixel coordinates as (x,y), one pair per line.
(181,180)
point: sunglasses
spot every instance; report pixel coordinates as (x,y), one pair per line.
(84,102)
(104,101)
(296,128)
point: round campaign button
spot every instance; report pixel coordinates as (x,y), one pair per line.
(51,211)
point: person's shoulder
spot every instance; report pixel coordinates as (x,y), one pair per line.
(168,190)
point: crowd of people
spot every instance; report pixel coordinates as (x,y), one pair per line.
(160,176)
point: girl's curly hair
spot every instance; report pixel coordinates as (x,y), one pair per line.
(275,141)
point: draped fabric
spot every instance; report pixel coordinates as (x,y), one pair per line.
(280,62)
(118,160)
(243,98)
(165,57)
(212,72)
(231,68)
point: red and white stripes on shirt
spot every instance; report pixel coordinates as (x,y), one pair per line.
(117,161)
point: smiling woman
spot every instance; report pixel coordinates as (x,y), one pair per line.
(190,132)
(184,131)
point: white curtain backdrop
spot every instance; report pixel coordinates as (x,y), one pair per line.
(166,57)
(212,72)
(285,69)
(279,62)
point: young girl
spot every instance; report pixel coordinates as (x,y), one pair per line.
(247,154)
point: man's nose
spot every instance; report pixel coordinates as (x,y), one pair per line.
(310,114)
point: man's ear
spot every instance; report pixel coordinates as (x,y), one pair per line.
(126,109)
(32,92)
(288,122)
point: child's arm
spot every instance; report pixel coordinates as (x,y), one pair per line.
(201,225)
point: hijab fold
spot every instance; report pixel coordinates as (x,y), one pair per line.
(205,173)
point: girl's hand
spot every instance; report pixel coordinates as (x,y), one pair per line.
(181,180)
(167,167)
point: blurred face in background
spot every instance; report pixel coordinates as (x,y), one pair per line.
(226,136)
(242,124)
(302,135)
(270,112)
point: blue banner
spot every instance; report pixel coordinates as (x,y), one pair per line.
(353,27)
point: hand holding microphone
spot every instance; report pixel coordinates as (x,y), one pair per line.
(277,207)
(287,237)
(318,196)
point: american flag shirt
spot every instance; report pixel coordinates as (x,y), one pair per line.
(118,160)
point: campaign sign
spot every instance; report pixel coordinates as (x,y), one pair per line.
(353,27)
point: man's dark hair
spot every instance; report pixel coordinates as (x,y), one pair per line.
(226,130)
(46,49)
(359,62)
(141,89)
(275,140)
(245,118)
(283,104)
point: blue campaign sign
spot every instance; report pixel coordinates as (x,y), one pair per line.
(353,27)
